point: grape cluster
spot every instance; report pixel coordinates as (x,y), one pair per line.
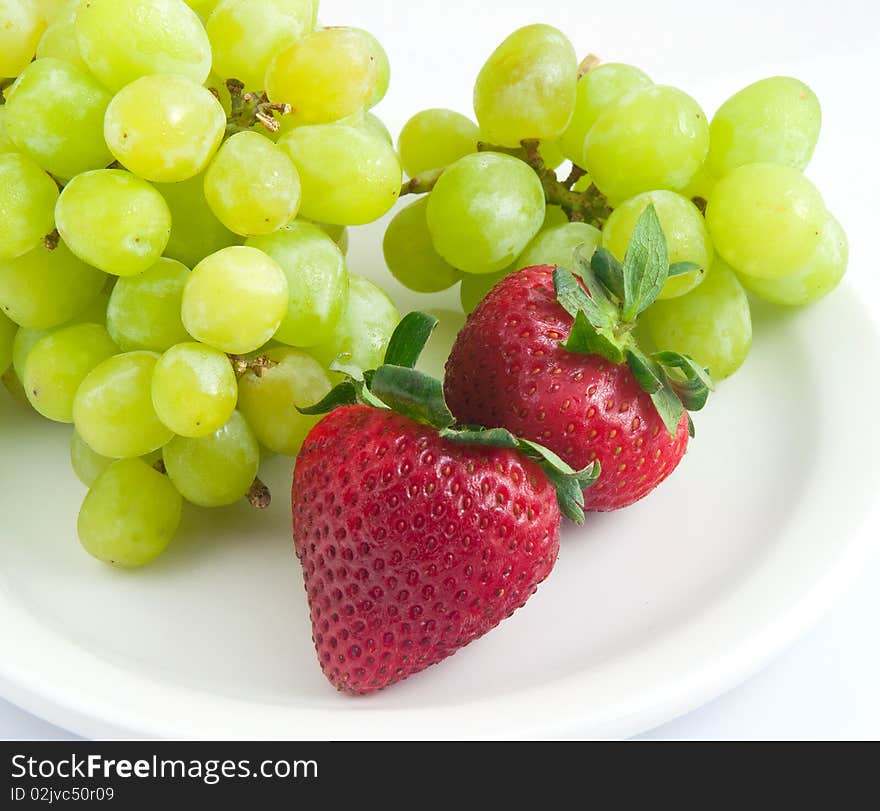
(729,193)
(176,179)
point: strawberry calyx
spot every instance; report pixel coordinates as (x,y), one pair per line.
(397,385)
(605,299)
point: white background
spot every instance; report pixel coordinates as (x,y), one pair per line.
(826,685)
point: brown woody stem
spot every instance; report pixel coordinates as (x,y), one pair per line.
(249,109)
(242,364)
(259,496)
(422,183)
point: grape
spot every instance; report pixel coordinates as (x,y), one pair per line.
(58,363)
(527,87)
(653,138)
(349,177)
(361,335)
(553,215)
(775,120)
(130,515)
(87,464)
(23,25)
(88,218)
(687,239)
(122,40)
(45,288)
(269,402)
(376,127)
(5,144)
(475,287)
(551,154)
(765,219)
(596,89)
(317,281)
(410,255)
(164,128)
(252,185)
(194,389)
(27,204)
(700,185)
(329,74)
(195,231)
(435,138)
(712,323)
(55,114)
(59,39)
(560,244)
(25,340)
(50,9)
(113,409)
(484,210)
(235,299)
(449,323)
(144,310)
(247,34)
(203,8)
(218,469)
(817,277)
(13,386)
(8,329)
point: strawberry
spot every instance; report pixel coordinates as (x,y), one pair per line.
(552,358)
(416,538)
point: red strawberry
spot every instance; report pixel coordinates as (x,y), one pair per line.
(509,368)
(417,538)
(412,546)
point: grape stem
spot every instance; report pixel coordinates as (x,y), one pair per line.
(242,364)
(51,240)
(588,206)
(248,109)
(159,466)
(259,496)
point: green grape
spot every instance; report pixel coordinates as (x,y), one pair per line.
(8,329)
(113,408)
(164,128)
(817,277)
(195,231)
(435,138)
(338,233)
(22,26)
(527,87)
(582,183)
(88,218)
(775,120)
(45,288)
(410,255)
(203,8)
(247,34)
(596,89)
(130,514)
(361,335)
(122,40)
(269,402)
(55,114)
(553,215)
(317,281)
(712,323)
(194,389)
(329,74)
(476,286)
(484,210)
(5,144)
(50,9)
(59,39)
(687,239)
(27,205)
(235,300)
(700,185)
(560,245)
(24,341)
(551,154)
(144,310)
(433,359)
(348,176)
(13,386)
(87,464)
(252,186)
(58,363)
(376,127)
(217,85)
(765,219)
(653,138)
(215,470)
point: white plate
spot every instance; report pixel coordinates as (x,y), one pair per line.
(650,611)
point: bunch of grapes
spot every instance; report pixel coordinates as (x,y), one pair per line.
(737,212)
(175,183)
